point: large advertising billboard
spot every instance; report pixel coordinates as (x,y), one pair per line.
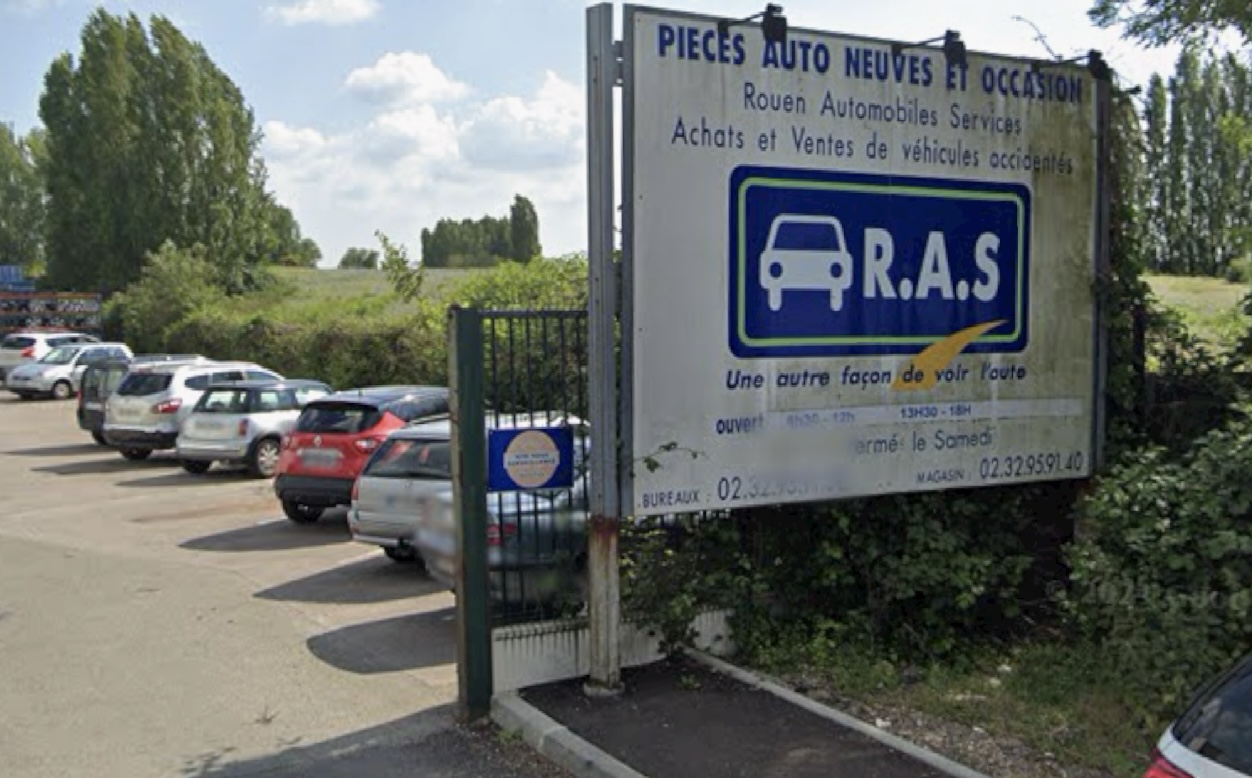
(852,267)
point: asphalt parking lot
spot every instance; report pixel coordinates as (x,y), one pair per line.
(158,623)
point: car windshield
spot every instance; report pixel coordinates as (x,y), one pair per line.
(143,384)
(349,418)
(406,458)
(807,235)
(60,356)
(17,343)
(224,401)
(1219,724)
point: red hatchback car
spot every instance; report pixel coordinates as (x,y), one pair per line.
(334,438)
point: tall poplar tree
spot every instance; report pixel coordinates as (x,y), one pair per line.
(523,230)
(1156,153)
(21,200)
(149,141)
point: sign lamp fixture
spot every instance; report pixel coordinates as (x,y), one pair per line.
(1097,66)
(773,24)
(953,48)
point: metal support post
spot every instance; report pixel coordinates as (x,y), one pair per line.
(1103,262)
(603,607)
(469,475)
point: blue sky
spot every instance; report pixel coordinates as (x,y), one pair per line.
(390,114)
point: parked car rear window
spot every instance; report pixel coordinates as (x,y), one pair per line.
(409,409)
(403,458)
(61,355)
(15,343)
(1219,724)
(110,379)
(224,401)
(267,400)
(100,382)
(349,418)
(143,384)
(92,380)
(307,394)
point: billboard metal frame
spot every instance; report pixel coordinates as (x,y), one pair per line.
(610,64)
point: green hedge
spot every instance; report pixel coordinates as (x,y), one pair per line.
(350,352)
(350,341)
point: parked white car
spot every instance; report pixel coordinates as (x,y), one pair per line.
(827,268)
(59,373)
(19,348)
(1213,738)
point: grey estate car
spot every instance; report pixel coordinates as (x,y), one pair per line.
(536,540)
(244,422)
(146,411)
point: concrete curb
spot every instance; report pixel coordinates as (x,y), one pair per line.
(941,763)
(555,741)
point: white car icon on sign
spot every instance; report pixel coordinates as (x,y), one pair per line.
(807,269)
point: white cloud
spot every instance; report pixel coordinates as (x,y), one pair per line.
(406,77)
(429,152)
(332,12)
(29,6)
(292,141)
(510,133)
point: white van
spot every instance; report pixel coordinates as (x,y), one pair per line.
(59,372)
(19,348)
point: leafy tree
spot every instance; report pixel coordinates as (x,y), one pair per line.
(483,243)
(359,258)
(1195,148)
(523,230)
(21,200)
(283,242)
(149,141)
(308,253)
(173,283)
(405,279)
(1158,22)
(1156,153)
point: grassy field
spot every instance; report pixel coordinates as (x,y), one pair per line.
(331,284)
(1210,306)
(1196,296)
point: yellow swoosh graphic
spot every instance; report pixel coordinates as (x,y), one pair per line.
(934,358)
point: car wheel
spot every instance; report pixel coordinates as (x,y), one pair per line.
(300,513)
(98,437)
(136,454)
(62,390)
(264,459)
(196,466)
(403,554)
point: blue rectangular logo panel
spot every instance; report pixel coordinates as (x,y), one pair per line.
(827,264)
(530,458)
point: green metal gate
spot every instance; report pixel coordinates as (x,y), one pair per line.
(521,554)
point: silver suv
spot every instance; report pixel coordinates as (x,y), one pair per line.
(59,373)
(149,406)
(244,422)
